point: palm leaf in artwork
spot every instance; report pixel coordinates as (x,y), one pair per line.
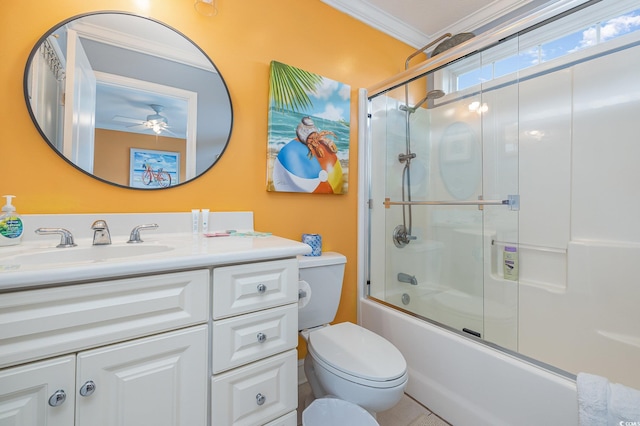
(288,87)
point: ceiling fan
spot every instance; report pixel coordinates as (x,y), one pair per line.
(156,122)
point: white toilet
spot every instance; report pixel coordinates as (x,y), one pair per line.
(344,360)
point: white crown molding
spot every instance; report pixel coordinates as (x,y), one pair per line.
(388,24)
(380,20)
(486,15)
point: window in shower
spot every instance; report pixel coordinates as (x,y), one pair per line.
(577,32)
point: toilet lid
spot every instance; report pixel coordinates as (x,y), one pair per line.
(357,351)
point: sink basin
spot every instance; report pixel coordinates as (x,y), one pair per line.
(87,254)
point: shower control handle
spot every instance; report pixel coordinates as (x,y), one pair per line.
(402,237)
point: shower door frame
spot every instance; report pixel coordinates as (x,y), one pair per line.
(481,42)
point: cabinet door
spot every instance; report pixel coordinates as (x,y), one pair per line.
(40,393)
(159,381)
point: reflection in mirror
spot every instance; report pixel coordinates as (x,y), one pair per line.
(100,87)
(460,160)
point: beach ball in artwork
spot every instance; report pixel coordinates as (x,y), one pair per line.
(294,171)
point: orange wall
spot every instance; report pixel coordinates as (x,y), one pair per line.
(242,40)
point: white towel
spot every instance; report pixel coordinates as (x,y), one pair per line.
(593,394)
(603,404)
(624,405)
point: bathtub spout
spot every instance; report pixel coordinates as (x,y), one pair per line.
(406,278)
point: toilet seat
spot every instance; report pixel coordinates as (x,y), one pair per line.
(358,355)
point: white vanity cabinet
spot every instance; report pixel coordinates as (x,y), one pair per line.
(201,333)
(254,339)
(120,352)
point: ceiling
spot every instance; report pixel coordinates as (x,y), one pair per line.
(419,22)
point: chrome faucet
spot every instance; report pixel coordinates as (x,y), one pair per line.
(135,233)
(66,239)
(101,234)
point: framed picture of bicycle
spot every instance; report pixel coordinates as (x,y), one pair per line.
(151,169)
(309,127)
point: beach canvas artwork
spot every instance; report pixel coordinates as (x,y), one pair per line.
(151,169)
(308,138)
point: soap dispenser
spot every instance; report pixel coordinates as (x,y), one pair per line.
(11,226)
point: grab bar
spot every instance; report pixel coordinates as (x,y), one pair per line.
(513,201)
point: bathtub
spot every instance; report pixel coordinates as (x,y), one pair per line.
(470,383)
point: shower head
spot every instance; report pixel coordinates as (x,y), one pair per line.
(434,94)
(417,52)
(451,42)
(431,94)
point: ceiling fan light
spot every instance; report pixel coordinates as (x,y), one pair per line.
(157,125)
(156,122)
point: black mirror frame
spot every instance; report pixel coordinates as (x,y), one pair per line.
(41,40)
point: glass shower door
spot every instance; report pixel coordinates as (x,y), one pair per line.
(444,172)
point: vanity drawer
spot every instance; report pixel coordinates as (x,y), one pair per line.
(40,323)
(246,338)
(257,393)
(290,419)
(244,288)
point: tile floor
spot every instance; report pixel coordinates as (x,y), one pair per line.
(407,412)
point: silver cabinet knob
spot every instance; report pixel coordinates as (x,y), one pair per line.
(88,388)
(261,337)
(58,398)
(261,288)
(260,399)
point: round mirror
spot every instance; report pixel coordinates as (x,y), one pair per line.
(128,100)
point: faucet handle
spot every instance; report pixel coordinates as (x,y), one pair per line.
(134,238)
(66,238)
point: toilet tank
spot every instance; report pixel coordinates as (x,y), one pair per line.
(324,275)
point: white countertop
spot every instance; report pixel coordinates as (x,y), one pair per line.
(183,251)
